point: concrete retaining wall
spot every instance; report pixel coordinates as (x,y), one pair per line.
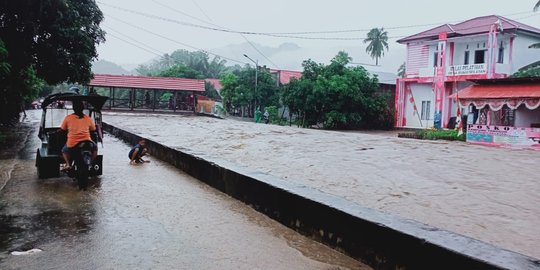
(377,239)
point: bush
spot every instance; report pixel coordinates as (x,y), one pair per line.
(273,114)
(433,134)
(334,120)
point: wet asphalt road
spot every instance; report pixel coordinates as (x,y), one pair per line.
(149,216)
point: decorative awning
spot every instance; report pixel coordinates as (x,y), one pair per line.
(497,95)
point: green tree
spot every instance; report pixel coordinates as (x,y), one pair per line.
(336,97)
(198,61)
(181,71)
(531,70)
(239,93)
(378,41)
(210,91)
(4,65)
(51,40)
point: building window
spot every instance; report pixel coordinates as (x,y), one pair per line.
(480,56)
(466,60)
(435,56)
(500,58)
(426,106)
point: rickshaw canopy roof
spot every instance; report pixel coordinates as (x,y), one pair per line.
(96,101)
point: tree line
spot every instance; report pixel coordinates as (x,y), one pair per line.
(44,42)
(333,96)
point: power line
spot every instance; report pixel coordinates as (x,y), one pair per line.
(202,11)
(179,11)
(387,28)
(134,40)
(213,24)
(175,41)
(211,28)
(133,44)
(279,35)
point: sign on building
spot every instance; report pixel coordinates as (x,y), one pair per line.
(504,136)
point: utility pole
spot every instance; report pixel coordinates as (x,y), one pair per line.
(256,76)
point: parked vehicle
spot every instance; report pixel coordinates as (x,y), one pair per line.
(49,155)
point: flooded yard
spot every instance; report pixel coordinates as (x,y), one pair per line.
(491,194)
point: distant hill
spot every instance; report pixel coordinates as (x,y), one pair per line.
(290,55)
(106,67)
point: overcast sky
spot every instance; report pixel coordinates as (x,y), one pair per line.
(283,16)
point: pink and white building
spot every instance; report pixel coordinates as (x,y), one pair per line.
(440,61)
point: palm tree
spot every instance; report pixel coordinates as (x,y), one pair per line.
(401,70)
(378,41)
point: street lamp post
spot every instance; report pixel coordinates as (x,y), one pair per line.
(256,75)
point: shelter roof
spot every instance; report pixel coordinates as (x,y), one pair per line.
(145,82)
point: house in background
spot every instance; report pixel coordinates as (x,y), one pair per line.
(387,85)
(283,77)
(440,61)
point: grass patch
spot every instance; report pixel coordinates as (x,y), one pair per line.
(433,134)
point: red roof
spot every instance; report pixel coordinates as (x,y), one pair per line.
(501,91)
(285,76)
(216,83)
(143,82)
(473,26)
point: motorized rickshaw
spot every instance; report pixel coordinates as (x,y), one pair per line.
(49,155)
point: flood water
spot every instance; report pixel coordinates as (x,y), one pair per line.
(491,194)
(149,216)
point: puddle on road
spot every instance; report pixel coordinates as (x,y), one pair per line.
(145,216)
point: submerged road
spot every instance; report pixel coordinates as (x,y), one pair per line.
(149,216)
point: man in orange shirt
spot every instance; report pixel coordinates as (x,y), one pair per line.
(78,127)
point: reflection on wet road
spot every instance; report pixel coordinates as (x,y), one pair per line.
(148,216)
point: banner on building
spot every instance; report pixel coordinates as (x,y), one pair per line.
(468,69)
(504,136)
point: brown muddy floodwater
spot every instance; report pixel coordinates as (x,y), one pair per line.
(149,216)
(490,194)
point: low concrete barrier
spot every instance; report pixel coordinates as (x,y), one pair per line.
(377,239)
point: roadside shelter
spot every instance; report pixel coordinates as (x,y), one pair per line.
(147,93)
(503,112)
